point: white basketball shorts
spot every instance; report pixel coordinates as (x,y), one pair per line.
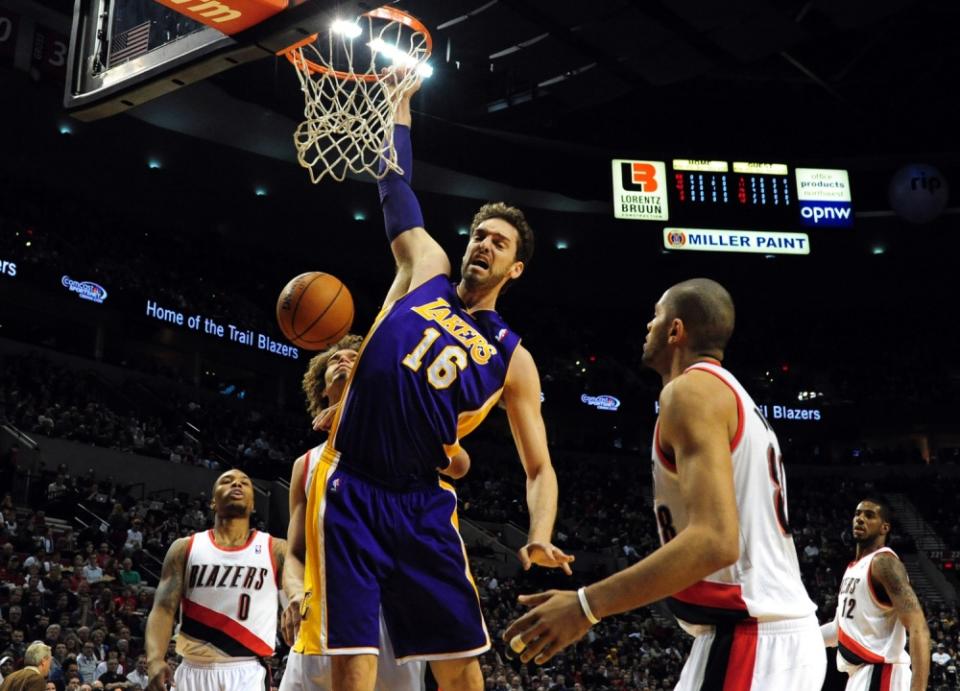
(785,655)
(248,675)
(880,678)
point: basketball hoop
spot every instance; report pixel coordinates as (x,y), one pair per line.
(352,79)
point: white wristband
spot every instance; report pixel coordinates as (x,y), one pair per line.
(585,606)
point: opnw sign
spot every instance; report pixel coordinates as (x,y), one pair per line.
(750,241)
(640,190)
(824,196)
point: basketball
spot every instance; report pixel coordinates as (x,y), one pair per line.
(314,310)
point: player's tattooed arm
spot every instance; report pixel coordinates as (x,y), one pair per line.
(166,602)
(889,572)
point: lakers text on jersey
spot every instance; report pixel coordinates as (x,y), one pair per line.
(428,373)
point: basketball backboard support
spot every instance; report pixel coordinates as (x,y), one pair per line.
(127,52)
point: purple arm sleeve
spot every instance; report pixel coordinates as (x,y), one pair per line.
(401,210)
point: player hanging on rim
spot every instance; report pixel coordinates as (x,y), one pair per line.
(727,563)
(225,583)
(323,384)
(876,608)
(437,359)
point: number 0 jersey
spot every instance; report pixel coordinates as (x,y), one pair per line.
(230,599)
(868,630)
(427,374)
(764,583)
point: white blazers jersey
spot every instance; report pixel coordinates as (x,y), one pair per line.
(868,630)
(230,599)
(765,582)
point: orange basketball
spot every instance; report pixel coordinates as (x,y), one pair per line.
(315,310)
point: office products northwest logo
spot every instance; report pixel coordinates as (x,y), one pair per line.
(87,290)
(638,176)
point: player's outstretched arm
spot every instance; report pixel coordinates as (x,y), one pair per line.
(521,394)
(293,567)
(890,573)
(694,414)
(419,257)
(166,602)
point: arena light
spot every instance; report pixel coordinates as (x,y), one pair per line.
(154,164)
(463,230)
(260,191)
(65,128)
(359,215)
(345,28)
(561,244)
(398,57)
(878,249)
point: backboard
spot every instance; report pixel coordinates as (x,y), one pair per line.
(127,52)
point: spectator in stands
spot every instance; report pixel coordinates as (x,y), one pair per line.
(18,643)
(112,678)
(103,666)
(39,558)
(87,663)
(92,573)
(6,666)
(56,490)
(56,664)
(36,667)
(139,676)
(10,521)
(104,554)
(940,655)
(129,575)
(52,638)
(100,648)
(70,668)
(134,539)
(11,574)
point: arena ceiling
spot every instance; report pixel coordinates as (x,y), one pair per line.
(765,78)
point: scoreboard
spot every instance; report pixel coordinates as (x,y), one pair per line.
(758,191)
(742,196)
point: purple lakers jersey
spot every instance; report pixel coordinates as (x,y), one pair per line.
(427,375)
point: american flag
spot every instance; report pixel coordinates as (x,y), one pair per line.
(129,44)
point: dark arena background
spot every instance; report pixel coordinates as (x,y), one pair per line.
(141,256)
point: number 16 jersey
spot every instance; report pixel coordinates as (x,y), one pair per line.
(764,583)
(427,374)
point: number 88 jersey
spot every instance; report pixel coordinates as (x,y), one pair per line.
(764,583)
(427,374)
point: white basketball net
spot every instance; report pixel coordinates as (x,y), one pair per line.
(350,99)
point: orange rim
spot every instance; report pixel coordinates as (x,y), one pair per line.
(389,13)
